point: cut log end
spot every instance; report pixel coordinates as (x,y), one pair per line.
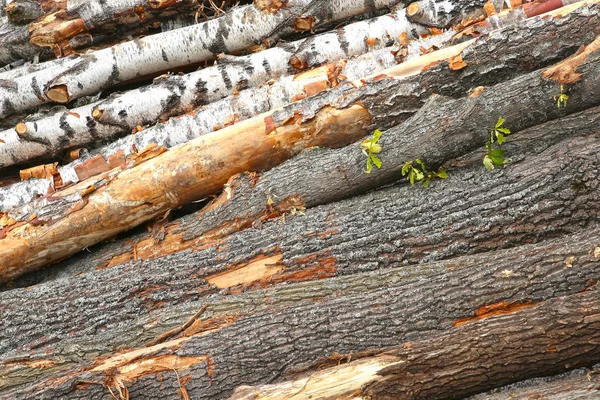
(59,94)
(412,9)
(97,113)
(21,128)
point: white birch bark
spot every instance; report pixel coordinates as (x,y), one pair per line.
(247,104)
(167,97)
(360,37)
(237,30)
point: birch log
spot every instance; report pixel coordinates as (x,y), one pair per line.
(84,18)
(128,196)
(48,138)
(527,39)
(239,29)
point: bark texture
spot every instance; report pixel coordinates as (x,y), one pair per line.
(532,45)
(96,210)
(549,191)
(537,340)
(263,346)
(238,30)
(578,384)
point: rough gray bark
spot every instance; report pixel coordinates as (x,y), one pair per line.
(579,384)
(472,212)
(262,346)
(547,338)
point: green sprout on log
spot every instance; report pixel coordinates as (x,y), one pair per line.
(370,148)
(495,156)
(561,99)
(417,172)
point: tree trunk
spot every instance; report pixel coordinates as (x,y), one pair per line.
(539,339)
(579,384)
(528,40)
(463,220)
(284,329)
(238,30)
(48,229)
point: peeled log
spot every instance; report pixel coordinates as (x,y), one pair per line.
(546,338)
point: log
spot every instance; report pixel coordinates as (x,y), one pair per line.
(296,329)
(47,138)
(526,39)
(244,201)
(126,305)
(579,384)
(237,30)
(544,338)
(65,222)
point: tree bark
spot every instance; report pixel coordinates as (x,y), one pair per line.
(579,384)
(58,226)
(238,30)
(47,138)
(550,191)
(288,329)
(545,338)
(528,48)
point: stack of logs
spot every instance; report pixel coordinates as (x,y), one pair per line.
(185,211)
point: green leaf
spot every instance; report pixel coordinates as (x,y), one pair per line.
(418,161)
(506,131)
(488,145)
(406,167)
(500,122)
(501,138)
(411,176)
(376,135)
(488,163)
(369,165)
(418,175)
(442,174)
(376,160)
(497,153)
(426,182)
(375,148)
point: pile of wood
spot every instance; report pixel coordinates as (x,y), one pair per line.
(299,199)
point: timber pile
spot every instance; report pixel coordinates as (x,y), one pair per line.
(290,200)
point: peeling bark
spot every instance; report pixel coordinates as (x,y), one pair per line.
(238,30)
(134,194)
(530,47)
(546,338)
(284,328)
